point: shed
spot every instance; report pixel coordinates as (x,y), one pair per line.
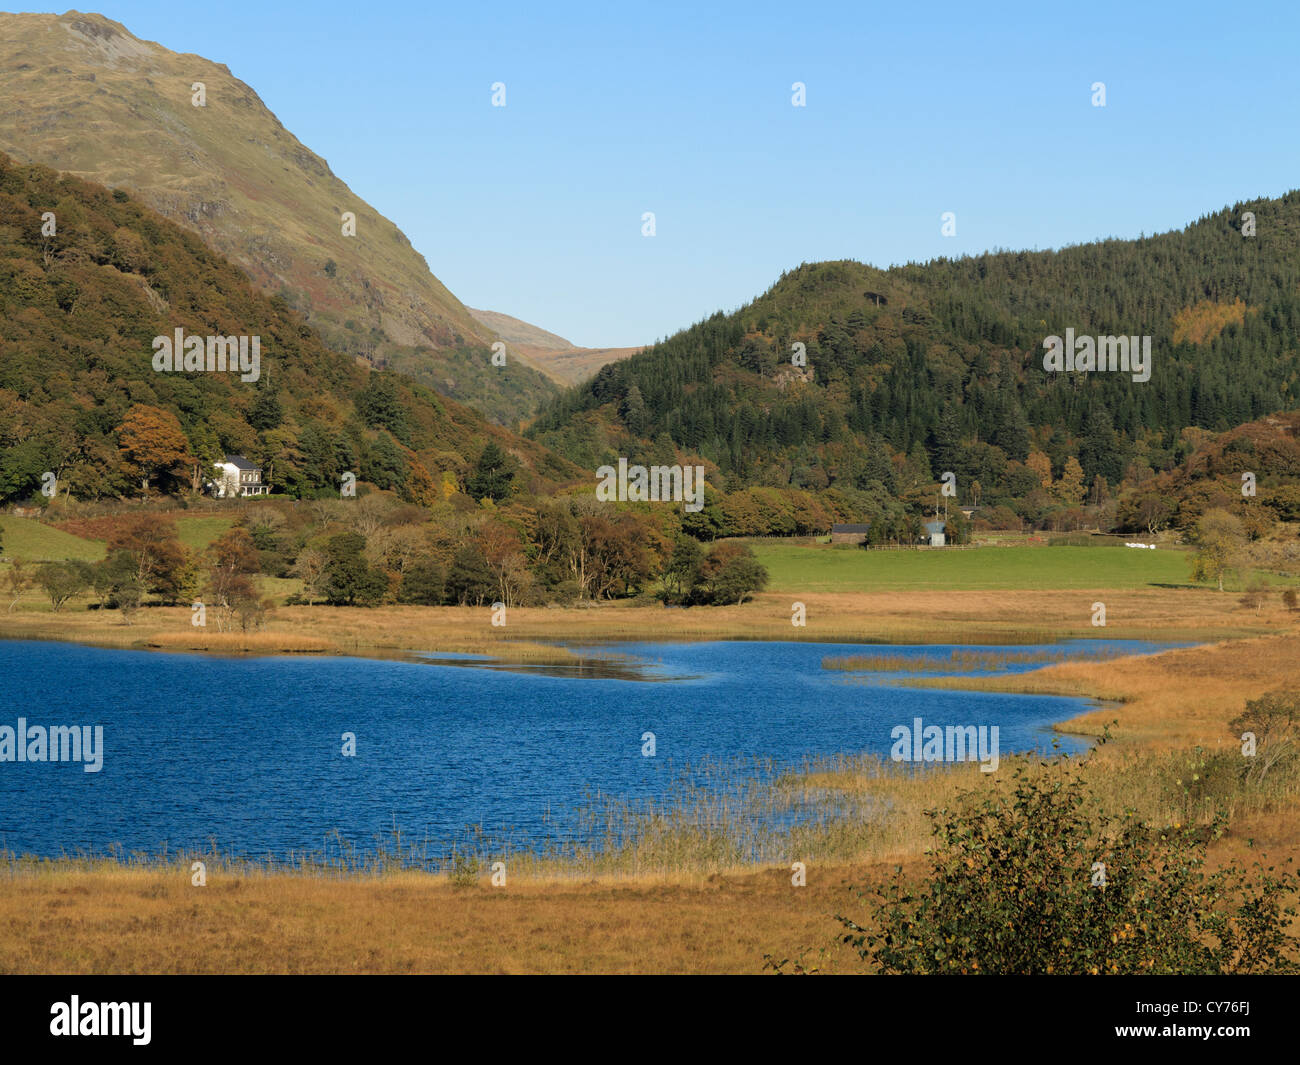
(850,534)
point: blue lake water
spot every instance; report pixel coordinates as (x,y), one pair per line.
(246,752)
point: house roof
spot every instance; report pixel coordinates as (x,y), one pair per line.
(241,463)
(851,528)
(933,527)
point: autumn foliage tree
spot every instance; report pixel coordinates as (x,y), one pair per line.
(152,445)
(504,551)
(1219,540)
(615,558)
(730,573)
(155,553)
(235,559)
(1070,488)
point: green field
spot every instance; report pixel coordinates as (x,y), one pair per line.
(33,542)
(799,568)
(197,533)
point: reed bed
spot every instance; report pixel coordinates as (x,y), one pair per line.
(963,661)
(666,886)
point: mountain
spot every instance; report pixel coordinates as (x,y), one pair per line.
(929,368)
(83,95)
(90,279)
(560,359)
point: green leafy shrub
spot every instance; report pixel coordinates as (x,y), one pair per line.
(1273,720)
(1033,876)
(464,870)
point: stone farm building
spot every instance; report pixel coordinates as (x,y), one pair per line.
(849,534)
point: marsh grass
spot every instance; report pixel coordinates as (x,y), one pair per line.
(964,661)
(711,817)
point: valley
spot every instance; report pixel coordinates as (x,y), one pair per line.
(906,607)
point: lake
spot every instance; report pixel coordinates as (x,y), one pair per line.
(247,752)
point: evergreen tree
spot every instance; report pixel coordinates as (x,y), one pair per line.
(633,412)
(469,580)
(492,476)
(266,412)
(350,580)
(380,406)
(423,583)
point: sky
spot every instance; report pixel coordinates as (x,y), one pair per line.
(614,109)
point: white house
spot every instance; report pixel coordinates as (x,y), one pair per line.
(934,530)
(236,476)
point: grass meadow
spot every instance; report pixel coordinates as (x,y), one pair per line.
(198,531)
(846,568)
(34,541)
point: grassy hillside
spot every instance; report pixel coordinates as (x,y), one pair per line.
(33,541)
(85,96)
(518,332)
(78,313)
(196,533)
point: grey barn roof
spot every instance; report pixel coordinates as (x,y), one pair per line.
(851,528)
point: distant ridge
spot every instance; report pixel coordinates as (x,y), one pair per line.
(563,360)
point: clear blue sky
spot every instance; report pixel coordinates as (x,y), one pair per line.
(613,109)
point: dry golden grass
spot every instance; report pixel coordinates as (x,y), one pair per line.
(1178,698)
(119,919)
(921,616)
(116,920)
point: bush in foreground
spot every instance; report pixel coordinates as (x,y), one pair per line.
(1034,876)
